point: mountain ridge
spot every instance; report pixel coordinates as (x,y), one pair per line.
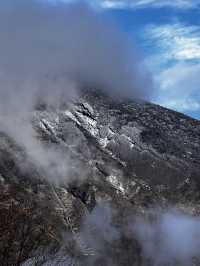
(101,158)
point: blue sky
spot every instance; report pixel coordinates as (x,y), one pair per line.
(168,35)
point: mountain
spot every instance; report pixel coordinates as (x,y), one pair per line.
(105,162)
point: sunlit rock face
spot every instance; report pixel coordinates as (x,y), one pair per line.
(109,161)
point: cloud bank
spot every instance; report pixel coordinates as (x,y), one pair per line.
(48,50)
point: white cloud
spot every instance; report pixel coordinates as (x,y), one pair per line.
(135,4)
(175,53)
(180,87)
(182,4)
(182,105)
(176,65)
(175,41)
(113,4)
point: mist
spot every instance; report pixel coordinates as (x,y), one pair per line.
(49,50)
(166,237)
(169,238)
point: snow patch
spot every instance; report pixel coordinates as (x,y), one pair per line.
(116,183)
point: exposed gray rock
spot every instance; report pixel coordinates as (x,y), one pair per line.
(127,155)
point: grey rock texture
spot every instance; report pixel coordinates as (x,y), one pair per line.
(121,159)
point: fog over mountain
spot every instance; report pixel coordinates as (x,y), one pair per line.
(48,52)
(90,172)
(50,49)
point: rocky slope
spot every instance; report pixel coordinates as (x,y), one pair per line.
(121,159)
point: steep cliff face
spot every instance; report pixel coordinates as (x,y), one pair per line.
(109,161)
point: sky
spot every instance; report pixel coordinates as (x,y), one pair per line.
(169,36)
(167,33)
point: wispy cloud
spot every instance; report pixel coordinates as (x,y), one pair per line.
(176,64)
(175,41)
(173,51)
(138,4)
(114,4)
(181,4)
(179,87)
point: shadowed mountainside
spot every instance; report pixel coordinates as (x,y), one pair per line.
(123,158)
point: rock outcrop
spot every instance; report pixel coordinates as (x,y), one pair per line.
(121,158)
